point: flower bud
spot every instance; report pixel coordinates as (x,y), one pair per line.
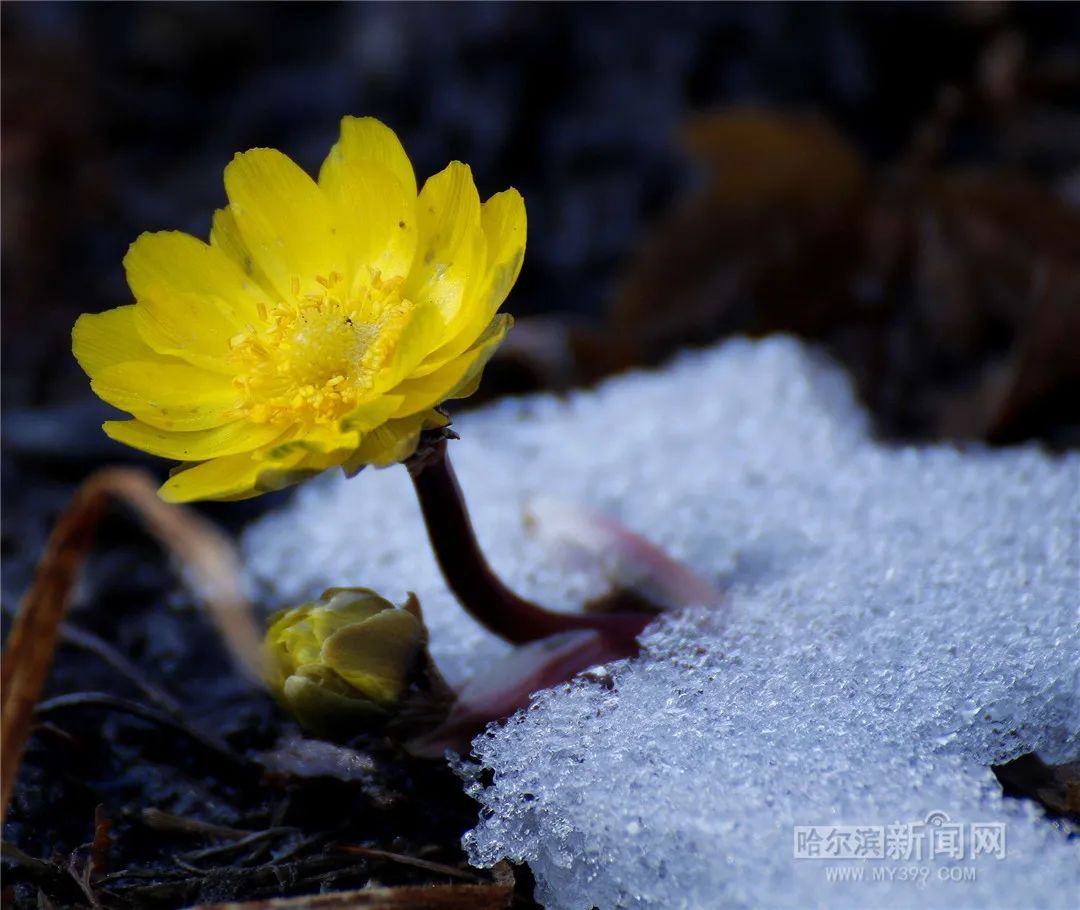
(342,662)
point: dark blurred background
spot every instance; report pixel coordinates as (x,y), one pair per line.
(901,185)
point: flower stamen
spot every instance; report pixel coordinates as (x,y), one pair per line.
(316,357)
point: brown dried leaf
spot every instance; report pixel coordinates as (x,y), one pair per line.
(758,158)
(405,860)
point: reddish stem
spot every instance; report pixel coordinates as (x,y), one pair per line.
(476,586)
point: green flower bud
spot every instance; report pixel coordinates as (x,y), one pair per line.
(342,662)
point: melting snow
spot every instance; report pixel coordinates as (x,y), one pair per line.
(898,618)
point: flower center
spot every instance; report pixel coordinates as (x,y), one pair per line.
(316,356)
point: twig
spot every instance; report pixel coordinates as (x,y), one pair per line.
(255,837)
(210,562)
(123,874)
(405,860)
(299,873)
(190,867)
(298,847)
(160,820)
(19,857)
(80,873)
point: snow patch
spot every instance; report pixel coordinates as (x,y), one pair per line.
(898,618)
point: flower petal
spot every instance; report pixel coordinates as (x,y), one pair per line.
(102,340)
(312,699)
(456,379)
(505,232)
(423,331)
(169,396)
(222,479)
(225,236)
(505,228)
(276,474)
(323,440)
(196,445)
(241,476)
(369,415)
(450,255)
(392,442)
(371,189)
(368,139)
(191,299)
(374,656)
(284,220)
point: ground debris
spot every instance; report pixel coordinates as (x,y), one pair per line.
(207,556)
(1055,787)
(951,292)
(952,295)
(135,796)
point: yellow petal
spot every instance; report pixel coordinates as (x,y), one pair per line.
(299,644)
(101,340)
(392,442)
(197,445)
(340,606)
(191,298)
(225,236)
(243,476)
(367,139)
(505,228)
(450,255)
(424,330)
(369,415)
(225,479)
(505,232)
(456,379)
(311,697)
(370,186)
(169,396)
(376,655)
(321,440)
(281,622)
(276,475)
(284,220)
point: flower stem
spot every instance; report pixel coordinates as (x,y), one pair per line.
(474,583)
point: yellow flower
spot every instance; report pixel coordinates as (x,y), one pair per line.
(343,659)
(320,327)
